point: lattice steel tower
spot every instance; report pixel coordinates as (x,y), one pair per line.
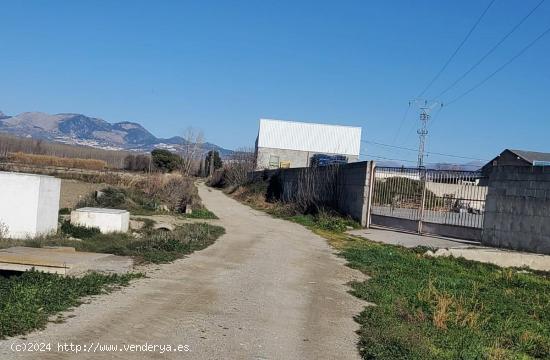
(422,132)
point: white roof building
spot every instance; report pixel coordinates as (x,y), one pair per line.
(291,143)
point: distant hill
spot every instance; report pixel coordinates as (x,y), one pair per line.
(78,129)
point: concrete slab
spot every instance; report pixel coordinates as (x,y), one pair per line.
(409,240)
(500,257)
(62,260)
(457,248)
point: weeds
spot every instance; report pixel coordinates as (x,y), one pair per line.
(447,308)
(201,213)
(132,200)
(80,232)
(147,246)
(26,301)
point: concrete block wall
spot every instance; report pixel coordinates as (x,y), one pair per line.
(517,209)
(345,188)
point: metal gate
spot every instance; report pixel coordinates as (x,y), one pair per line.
(443,202)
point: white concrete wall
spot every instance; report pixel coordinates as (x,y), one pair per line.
(107,220)
(48,204)
(29,204)
(296,158)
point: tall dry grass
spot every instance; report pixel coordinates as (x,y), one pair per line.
(48,160)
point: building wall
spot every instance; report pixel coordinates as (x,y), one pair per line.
(517,209)
(343,187)
(295,157)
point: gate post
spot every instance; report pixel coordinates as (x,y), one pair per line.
(370,191)
(423,180)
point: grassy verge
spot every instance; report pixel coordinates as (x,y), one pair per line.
(434,308)
(148,245)
(27,301)
(447,308)
(201,213)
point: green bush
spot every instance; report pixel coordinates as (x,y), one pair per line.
(77,231)
(201,213)
(133,200)
(165,160)
(403,191)
(325,220)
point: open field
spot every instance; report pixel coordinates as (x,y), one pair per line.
(73,191)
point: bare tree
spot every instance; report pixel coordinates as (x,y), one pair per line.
(241,162)
(192,150)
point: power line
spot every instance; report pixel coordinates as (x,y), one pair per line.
(401,123)
(416,150)
(521,52)
(434,79)
(486,55)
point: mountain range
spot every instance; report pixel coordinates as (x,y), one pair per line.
(78,129)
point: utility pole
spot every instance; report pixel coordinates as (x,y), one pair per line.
(425,108)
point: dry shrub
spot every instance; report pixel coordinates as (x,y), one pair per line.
(48,160)
(315,188)
(174,190)
(450,309)
(235,169)
(442,311)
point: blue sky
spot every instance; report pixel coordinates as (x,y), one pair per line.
(221,65)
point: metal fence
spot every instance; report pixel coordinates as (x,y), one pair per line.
(455,198)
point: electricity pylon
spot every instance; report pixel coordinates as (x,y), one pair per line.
(425,109)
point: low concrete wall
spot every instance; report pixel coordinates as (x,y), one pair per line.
(517,210)
(106,220)
(29,204)
(343,187)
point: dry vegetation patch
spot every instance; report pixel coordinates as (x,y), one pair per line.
(49,160)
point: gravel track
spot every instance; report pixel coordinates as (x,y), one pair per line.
(267,289)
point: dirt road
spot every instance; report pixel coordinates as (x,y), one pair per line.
(268,289)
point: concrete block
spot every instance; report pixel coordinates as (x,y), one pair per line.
(29,204)
(107,220)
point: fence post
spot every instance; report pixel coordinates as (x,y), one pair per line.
(423,180)
(370,191)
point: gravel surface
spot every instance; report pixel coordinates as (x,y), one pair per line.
(267,289)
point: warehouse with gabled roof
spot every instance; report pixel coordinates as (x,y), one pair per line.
(284,144)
